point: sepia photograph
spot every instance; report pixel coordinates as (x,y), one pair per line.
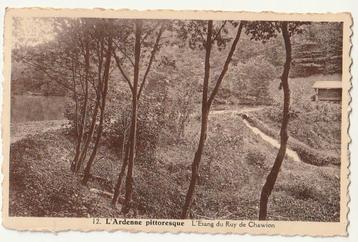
(181,119)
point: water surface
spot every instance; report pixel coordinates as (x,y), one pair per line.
(25,108)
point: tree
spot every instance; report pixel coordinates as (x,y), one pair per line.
(83,42)
(101,91)
(90,36)
(262,31)
(213,34)
(272,176)
(142,39)
(83,49)
(65,61)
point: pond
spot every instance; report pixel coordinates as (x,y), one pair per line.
(26,108)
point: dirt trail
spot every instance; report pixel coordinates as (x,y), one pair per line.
(19,131)
(240,110)
(275,143)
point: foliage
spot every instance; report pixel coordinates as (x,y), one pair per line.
(168,120)
(27,80)
(256,159)
(323,39)
(194,32)
(249,82)
(42,185)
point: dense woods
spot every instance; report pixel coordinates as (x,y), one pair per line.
(143,95)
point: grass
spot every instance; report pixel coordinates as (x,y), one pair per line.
(314,128)
(306,153)
(233,169)
(20,130)
(41,184)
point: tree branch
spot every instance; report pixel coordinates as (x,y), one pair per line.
(124,53)
(40,68)
(218,33)
(154,50)
(208,47)
(122,71)
(226,65)
(198,30)
(146,34)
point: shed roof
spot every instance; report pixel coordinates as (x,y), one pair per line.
(327,84)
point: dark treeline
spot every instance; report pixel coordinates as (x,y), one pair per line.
(127,79)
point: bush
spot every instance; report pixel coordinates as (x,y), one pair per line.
(248,82)
(257,159)
(259,73)
(303,190)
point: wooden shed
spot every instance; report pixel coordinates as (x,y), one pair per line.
(328,91)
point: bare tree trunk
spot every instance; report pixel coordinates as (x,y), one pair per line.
(87,170)
(204,125)
(123,147)
(89,136)
(75,98)
(272,176)
(117,188)
(103,106)
(77,128)
(132,150)
(96,108)
(81,131)
(206,104)
(195,165)
(133,135)
(83,112)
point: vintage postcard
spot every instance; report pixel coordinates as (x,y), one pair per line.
(176,121)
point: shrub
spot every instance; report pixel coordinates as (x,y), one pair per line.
(256,158)
(302,190)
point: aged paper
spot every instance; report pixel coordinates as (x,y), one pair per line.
(176,121)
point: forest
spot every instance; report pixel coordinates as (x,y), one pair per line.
(175,119)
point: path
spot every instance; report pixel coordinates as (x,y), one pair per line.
(275,143)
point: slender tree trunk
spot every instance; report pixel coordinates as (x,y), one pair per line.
(131,156)
(132,149)
(75,98)
(195,165)
(272,176)
(117,188)
(89,136)
(124,136)
(87,170)
(81,131)
(204,124)
(76,124)
(83,112)
(206,104)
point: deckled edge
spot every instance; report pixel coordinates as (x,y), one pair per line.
(349,143)
(6,87)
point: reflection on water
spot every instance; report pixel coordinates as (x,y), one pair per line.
(36,108)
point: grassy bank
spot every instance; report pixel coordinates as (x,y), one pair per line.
(314,127)
(306,153)
(233,169)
